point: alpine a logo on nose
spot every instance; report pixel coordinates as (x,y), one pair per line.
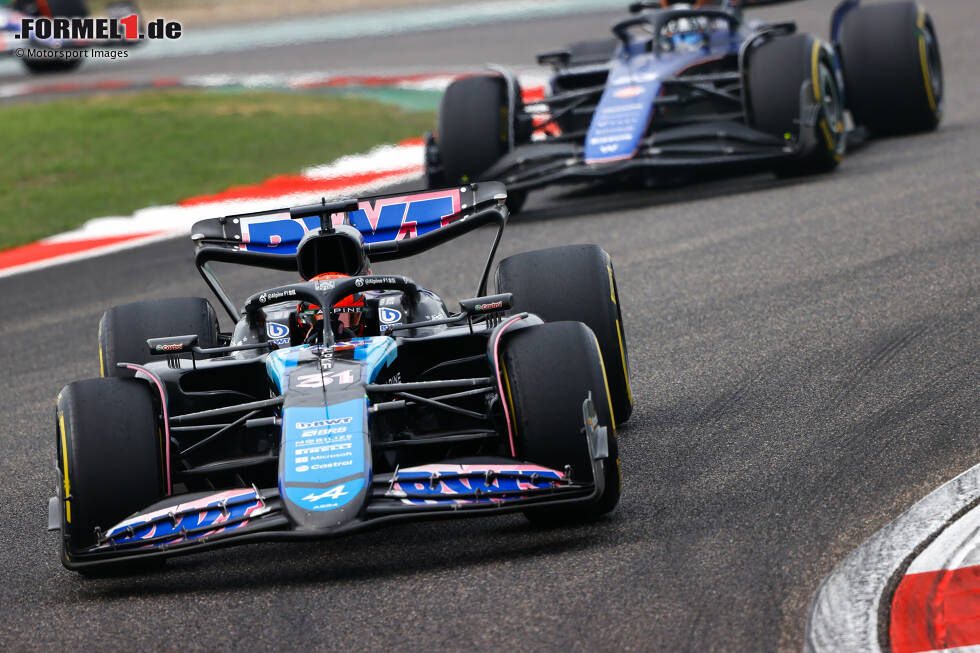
(333,493)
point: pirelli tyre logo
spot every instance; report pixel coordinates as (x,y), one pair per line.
(126,28)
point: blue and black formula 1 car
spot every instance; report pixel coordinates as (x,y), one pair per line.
(692,86)
(349,399)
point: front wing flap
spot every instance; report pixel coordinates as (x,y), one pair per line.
(253,515)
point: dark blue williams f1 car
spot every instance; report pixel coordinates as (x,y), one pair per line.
(695,86)
(346,400)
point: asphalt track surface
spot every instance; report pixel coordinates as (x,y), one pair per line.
(805,363)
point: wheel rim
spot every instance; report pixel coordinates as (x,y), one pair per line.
(934,66)
(830,101)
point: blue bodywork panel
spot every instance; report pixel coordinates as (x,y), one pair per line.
(635,80)
(325,452)
(391,218)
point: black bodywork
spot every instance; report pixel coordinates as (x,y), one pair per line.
(427,389)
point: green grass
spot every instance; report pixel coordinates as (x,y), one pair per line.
(70,160)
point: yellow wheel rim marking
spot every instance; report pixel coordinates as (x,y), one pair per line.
(815,70)
(619,334)
(612,286)
(101,355)
(818,95)
(64,464)
(826,134)
(622,356)
(605,382)
(921,23)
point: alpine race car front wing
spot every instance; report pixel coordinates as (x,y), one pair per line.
(254,515)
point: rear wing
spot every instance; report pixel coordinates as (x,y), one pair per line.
(637,7)
(394,226)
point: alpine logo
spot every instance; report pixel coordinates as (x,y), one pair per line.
(333,493)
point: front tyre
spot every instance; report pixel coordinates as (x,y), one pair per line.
(892,68)
(777,70)
(546,384)
(474,127)
(576,283)
(109,456)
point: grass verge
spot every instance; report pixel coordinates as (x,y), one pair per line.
(73,159)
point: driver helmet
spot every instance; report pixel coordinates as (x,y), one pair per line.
(686,33)
(345,316)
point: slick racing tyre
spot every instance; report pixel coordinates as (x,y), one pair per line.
(474,130)
(124,330)
(892,68)
(546,385)
(109,456)
(776,71)
(577,283)
(474,127)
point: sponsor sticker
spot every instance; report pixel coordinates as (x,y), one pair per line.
(277,333)
(389,315)
(324,422)
(344,377)
(274,295)
(628,91)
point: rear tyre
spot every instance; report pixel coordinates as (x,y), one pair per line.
(546,388)
(892,68)
(576,283)
(474,127)
(109,456)
(777,70)
(124,330)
